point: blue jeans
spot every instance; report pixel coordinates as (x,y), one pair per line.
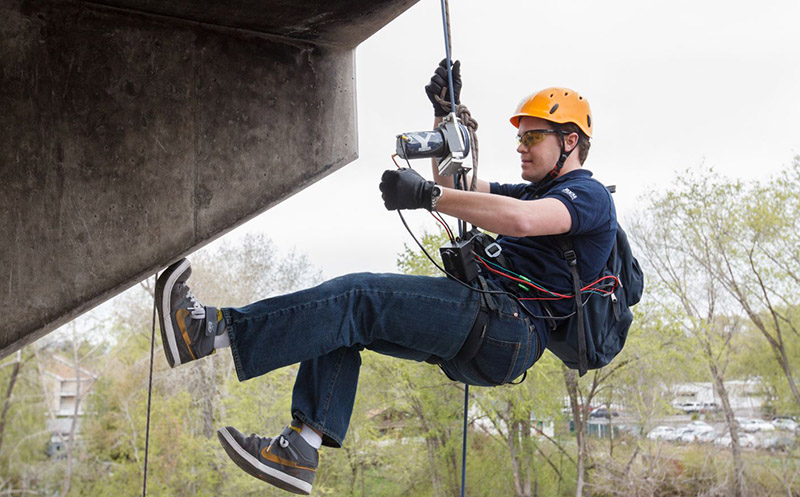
(410,317)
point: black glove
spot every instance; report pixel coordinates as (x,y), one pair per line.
(405,189)
(439,82)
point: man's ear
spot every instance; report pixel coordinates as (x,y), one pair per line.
(571,141)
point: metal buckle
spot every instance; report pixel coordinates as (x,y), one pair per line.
(493,250)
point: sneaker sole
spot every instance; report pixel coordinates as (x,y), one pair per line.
(163,298)
(256,468)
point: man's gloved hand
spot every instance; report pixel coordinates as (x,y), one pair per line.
(439,86)
(405,189)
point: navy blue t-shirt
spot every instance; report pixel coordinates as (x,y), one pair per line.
(594,229)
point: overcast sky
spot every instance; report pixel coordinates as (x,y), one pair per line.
(672,84)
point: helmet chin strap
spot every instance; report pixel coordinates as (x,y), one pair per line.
(561,160)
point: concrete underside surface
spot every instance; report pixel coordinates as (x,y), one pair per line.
(134,132)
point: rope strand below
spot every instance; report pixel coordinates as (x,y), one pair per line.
(149,396)
(464,442)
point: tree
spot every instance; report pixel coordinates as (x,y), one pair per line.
(24,436)
(12,382)
(191,401)
(747,237)
(514,414)
(683,237)
(581,393)
(658,358)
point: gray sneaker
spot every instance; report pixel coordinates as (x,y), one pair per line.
(286,461)
(187,328)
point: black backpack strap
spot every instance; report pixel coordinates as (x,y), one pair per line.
(565,243)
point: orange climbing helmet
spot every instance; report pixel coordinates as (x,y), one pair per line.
(559,105)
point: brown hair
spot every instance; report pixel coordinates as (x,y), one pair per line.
(583,141)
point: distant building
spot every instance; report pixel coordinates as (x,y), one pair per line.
(745,396)
(65,387)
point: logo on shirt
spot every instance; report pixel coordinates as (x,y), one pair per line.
(570,193)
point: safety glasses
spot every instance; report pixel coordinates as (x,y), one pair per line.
(534,136)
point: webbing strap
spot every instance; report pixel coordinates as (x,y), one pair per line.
(475,338)
(572,261)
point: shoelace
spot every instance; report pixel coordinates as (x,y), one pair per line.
(198,311)
(281,441)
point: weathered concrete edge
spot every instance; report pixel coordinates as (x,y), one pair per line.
(110,293)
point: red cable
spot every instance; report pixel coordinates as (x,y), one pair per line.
(616,282)
(438,217)
(559,296)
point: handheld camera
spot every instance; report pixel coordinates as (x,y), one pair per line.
(448,144)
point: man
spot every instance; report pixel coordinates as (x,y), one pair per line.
(411,317)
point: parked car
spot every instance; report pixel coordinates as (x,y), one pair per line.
(709,407)
(777,442)
(751,425)
(688,407)
(687,435)
(602,412)
(787,424)
(701,426)
(708,436)
(662,433)
(693,431)
(745,440)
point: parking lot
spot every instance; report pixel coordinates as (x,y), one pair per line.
(778,434)
(706,428)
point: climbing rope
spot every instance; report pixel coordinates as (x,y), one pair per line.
(466,118)
(149,395)
(462,112)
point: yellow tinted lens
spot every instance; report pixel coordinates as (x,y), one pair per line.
(531,138)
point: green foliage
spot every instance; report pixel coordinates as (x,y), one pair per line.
(731,248)
(412,261)
(24,437)
(658,358)
(405,433)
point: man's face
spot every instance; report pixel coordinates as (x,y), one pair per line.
(539,159)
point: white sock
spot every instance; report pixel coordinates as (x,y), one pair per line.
(311,436)
(222,341)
